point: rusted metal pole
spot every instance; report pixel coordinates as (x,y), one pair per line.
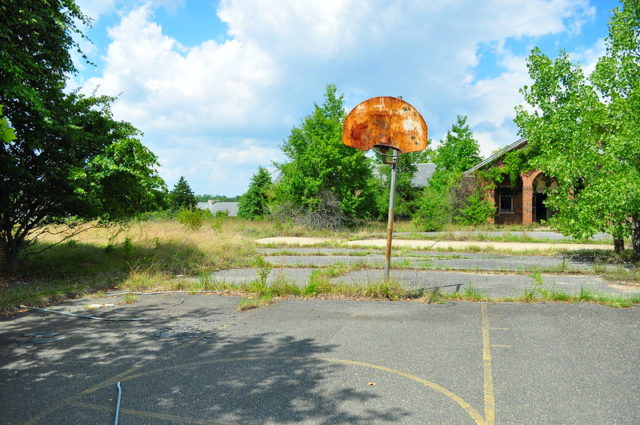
(392,198)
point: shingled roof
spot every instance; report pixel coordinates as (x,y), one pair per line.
(496,156)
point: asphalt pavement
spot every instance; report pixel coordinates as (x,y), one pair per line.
(195,360)
(495,276)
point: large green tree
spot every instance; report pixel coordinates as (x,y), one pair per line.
(255,202)
(320,170)
(457,152)
(70,158)
(587,133)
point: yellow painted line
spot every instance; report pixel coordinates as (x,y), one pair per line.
(122,375)
(474,414)
(489,398)
(154,415)
(130,374)
(478,419)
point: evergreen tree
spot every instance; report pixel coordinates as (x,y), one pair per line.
(254,203)
(182,196)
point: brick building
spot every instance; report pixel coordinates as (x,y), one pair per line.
(522,202)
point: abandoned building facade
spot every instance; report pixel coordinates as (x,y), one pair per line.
(520,202)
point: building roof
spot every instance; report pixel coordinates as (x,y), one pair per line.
(231,207)
(423,174)
(420,178)
(515,145)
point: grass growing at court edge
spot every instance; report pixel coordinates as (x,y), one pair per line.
(163,253)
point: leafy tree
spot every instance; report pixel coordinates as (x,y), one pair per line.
(6,133)
(69,160)
(468,203)
(182,196)
(588,134)
(434,210)
(255,202)
(426,155)
(320,169)
(457,152)
(406,192)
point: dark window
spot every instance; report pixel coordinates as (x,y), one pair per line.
(506,200)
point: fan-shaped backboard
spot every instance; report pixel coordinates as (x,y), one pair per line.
(385,122)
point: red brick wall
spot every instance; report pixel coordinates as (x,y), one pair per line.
(516,216)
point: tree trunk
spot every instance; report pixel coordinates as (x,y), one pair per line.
(618,245)
(3,259)
(635,236)
(9,251)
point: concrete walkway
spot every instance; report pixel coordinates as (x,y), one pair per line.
(533,234)
(431,244)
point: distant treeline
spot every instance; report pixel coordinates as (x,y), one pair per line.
(221,198)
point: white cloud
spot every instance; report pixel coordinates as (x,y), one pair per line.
(249,153)
(279,54)
(96,8)
(588,57)
(165,86)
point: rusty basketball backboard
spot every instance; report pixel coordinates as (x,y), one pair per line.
(385,122)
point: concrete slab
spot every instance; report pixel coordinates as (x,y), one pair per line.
(493,286)
(425,260)
(293,240)
(510,246)
(533,234)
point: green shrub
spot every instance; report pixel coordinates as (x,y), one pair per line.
(477,210)
(192,218)
(433,210)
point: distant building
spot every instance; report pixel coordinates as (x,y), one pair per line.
(522,202)
(420,178)
(215,206)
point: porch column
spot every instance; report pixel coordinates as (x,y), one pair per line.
(527,195)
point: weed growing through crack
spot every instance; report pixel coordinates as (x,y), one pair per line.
(130,298)
(434,296)
(250,303)
(532,293)
(264,269)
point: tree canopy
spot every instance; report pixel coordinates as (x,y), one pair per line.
(69,158)
(448,198)
(320,169)
(457,152)
(587,133)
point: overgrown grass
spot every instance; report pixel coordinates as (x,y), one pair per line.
(250,303)
(165,254)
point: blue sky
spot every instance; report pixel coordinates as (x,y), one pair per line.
(217,85)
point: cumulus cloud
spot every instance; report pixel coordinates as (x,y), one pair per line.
(239,97)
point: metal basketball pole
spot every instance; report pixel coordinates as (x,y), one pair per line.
(392,198)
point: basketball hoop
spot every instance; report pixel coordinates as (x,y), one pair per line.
(386,124)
